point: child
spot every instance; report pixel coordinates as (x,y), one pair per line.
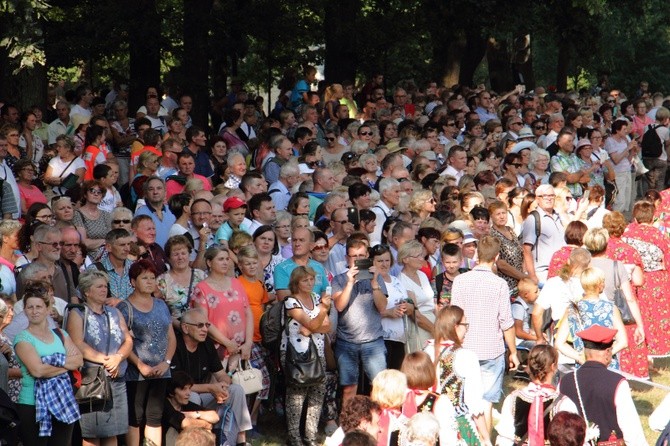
(236,210)
(247,259)
(444,279)
(522,308)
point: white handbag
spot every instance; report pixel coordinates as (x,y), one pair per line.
(249,378)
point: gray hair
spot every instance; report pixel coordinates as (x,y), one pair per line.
(365,157)
(289,169)
(88,278)
(535,155)
(359,147)
(8,227)
(31,269)
(118,212)
(231,157)
(41,232)
(423,428)
(387,183)
(186,315)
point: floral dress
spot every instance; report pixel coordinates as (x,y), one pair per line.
(589,312)
(14,386)
(634,358)
(653,296)
(559,259)
(226,310)
(268,273)
(175,295)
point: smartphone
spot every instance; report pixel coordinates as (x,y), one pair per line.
(363,266)
(329,291)
(352,215)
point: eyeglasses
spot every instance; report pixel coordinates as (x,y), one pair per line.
(330,139)
(515,123)
(516,165)
(365,133)
(54,245)
(540,127)
(610,101)
(95,191)
(465,324)
(199,324)
(118,222)
(549,196)
(49,216)
(320,248)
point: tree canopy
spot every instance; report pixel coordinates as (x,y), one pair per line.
(201,44)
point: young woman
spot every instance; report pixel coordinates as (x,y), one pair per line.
(45,357)
(459,375)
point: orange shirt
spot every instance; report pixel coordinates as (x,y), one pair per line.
(92,157)
(258,296)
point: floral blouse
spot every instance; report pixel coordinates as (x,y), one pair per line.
(174,294)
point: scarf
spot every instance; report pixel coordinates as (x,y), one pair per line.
(387,424)
(539,392)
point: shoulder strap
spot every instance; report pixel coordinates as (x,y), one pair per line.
(538,231)
(617,280)
(579,397)
(591,213)
(190,285)
(67,167)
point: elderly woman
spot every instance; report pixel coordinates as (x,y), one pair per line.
(10,377)
(9,239)
(588,310)
(654,249)
(510,261)
(63,209)
(538,174)
(177,285)
(65,164)
(389,389)
(46,404)
(150,324)
(92,223)
(100,333)
(411,256)
(237,167)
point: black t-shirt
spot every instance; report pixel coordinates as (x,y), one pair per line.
(173,418)
(200,364)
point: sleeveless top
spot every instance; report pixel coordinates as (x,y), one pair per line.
(100,330)
(451,383)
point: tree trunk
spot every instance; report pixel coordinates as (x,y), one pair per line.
(500,68)
(195,64)
(339,29)
(562,65)
(475,49)
(145,44)
(523,62)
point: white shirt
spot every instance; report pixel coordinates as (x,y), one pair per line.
(79,110)
(458,174)
(7,175)
(58,169)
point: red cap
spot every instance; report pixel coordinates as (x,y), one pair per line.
(233,203)
(597,337)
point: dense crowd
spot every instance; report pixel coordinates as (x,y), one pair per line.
(414,247)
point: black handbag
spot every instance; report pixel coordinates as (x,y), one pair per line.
(302,369)
(620,299)
(95,392)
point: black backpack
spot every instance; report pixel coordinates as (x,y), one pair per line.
(652,146)
(272,325)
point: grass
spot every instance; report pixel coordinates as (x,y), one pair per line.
(273,428)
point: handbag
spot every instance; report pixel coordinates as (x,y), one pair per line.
(70,181)
(95,390)
(302,369)
(249,378)
(620,299)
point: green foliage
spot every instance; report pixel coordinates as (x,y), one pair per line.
(22,36)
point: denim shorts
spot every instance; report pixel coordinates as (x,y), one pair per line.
(493,371)
(350,355)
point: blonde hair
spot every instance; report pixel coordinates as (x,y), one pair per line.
(592,280)
(419,198)
(409,249)
(144,160)
(389,388)
(525,286)
(595,240)
(331,91)
(579,258)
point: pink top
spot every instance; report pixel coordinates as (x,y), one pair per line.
(31,194)
(226,310)
(173,187)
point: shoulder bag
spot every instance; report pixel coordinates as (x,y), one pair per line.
(249,378)
(302,369)
(95,391)
(620,299)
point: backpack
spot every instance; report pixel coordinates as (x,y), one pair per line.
(538,230)
(272,325)
(652,146)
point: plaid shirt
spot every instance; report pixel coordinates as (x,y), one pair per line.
(484,297)
(54,396)
(568,164)
(119,286)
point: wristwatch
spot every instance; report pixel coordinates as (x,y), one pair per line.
(197,415)
(168,362)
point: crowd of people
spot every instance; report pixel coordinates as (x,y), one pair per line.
(419,243)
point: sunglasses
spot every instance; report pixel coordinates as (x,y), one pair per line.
(199,324)
(320,248)
(539,127)
(118,222)
(95,191)
(516,165)
(330,139)
(365,133)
